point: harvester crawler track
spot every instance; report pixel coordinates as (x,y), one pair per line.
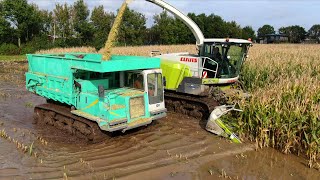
(60,117)
(194,106)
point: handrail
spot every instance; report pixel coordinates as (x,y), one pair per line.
(154,52)
(204,60)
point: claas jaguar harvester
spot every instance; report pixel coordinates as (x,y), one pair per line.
(197,83)
(86,94)
(200,84)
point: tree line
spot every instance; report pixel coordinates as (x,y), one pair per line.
(24,28)
(295,34)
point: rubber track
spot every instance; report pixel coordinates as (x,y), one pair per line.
(61,117)
(195,106)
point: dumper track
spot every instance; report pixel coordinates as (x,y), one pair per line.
(60,116)
(198,107)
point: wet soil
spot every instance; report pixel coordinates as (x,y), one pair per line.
(262,164)
(175,147)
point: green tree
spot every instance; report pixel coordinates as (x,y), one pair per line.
(295,33)
(102,22)
(169,30)
(35,24)
(62,24)
(182,33)
(283,30)
(5,29)
(266,29)
(24,18)
(314,32)
(216,27)
(201,21)
(248,32)
(46,21)
(133,28)
(163,29)
(81,22)
(233,29)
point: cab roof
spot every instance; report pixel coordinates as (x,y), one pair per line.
(232,40)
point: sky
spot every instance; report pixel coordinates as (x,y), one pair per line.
(254,13)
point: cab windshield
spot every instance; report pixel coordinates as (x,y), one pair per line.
(134,80)
(228,56)
(154,85)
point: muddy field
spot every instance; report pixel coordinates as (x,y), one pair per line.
(175,147)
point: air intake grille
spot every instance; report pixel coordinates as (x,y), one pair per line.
(137,107)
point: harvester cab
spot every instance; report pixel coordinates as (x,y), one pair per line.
(222,58)
(218,63)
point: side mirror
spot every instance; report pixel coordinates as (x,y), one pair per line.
(164,81)
(101,91)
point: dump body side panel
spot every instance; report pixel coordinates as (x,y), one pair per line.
(57,88)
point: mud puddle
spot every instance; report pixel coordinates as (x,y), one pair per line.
(263,164)
(175,147)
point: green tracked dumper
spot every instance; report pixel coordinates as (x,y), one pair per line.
(87,95)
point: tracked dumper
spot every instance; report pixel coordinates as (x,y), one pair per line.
(87,95)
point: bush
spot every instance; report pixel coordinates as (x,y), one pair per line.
(28,48)
(9,49)
(36,44)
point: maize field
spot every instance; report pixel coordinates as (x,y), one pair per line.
(284,110)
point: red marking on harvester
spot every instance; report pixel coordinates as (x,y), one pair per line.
(204,74)
(231,81)
(186,59)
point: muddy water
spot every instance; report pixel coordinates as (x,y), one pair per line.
(262,164)
(175,147)
(171,141)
